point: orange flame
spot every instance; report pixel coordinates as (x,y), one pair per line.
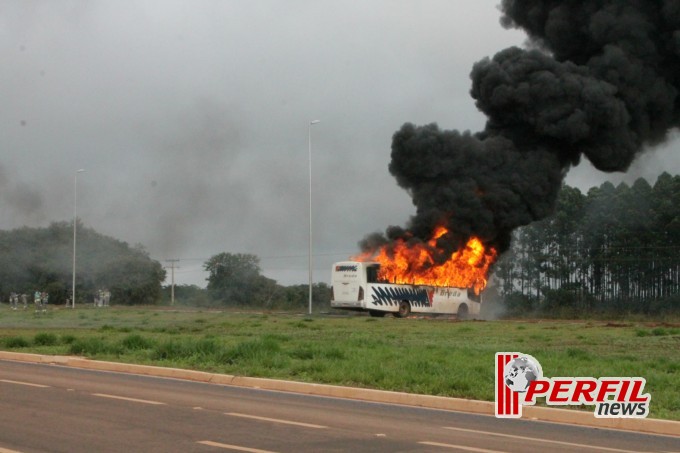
(415,264)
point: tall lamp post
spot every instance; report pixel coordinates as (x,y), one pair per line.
(75,222)
(311,123)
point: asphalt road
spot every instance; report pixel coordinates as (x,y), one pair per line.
(48,408)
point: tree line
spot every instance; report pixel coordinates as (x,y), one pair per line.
(612,250)
(235,280)
(41,259)
(615,249)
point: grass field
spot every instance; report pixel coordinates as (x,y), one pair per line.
(429,356)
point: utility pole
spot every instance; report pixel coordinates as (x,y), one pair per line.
(172,279)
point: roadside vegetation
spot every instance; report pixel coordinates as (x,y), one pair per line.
(610,254)
(611,251)
(436,356)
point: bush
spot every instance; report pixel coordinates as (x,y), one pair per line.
(136,342)
(93,346)
(45,339)
(666,306)
(169,350)
(16,342)
(252,350)
(560,302)
(68,339)
(518,304)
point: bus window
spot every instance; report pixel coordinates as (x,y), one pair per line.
(372,274)
(473,296)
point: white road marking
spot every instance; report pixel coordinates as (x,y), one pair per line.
(30,384)
(276,420)
(460,447)
(124,398)
(538,439)
(232,447)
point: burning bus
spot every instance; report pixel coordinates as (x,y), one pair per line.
(356,286)
(404,278)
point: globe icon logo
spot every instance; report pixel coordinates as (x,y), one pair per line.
(520,372)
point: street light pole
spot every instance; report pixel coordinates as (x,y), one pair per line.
(75,222)
(311,123)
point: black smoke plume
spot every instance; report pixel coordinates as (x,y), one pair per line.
(599,79)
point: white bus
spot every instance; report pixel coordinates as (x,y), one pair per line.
(355,286)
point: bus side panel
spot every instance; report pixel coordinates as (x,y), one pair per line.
(423,299)
(377,299)
(446,300)
(387,297)
(449,300)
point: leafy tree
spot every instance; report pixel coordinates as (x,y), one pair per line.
(297,297)
(236,280)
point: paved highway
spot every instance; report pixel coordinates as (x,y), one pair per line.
(48,408)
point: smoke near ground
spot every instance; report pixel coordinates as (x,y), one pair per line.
(598,79)
(21,199)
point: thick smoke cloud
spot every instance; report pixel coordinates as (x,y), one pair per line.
(599,79)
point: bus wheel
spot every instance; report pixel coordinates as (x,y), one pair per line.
(404,309)
(377,313)
(463,311)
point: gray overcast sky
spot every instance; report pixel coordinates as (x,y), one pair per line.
(191,119)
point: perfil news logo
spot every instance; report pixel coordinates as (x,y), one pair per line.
(520,380)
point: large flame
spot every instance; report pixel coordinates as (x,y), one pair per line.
(405,263)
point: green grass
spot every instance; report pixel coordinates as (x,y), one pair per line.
(428,356)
